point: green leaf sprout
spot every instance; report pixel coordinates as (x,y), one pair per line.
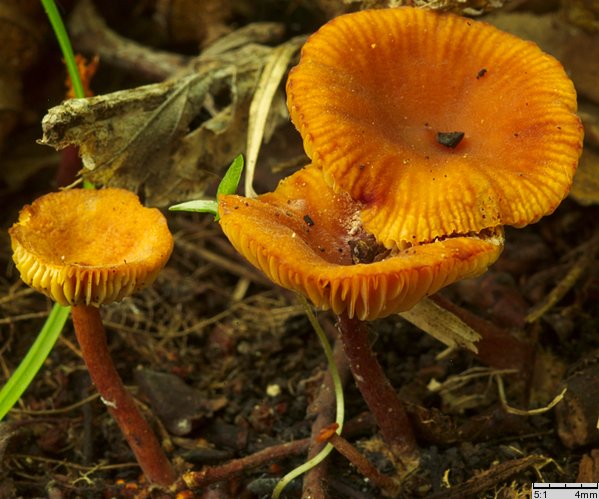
(228,185)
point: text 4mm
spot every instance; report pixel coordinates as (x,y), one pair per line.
(565,491)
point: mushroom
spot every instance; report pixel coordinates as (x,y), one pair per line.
(438,124)
(428,132)
(86,248)
(307,238)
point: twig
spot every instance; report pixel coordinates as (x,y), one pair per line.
(91,35)
(388,485)
(487,479)
(214,474)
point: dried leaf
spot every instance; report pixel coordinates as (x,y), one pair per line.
(178,405)
(581,266)
(21,38)
(270,79)
(259,32)
(21,33)
(442,325)
(90,35)
(582,13)
(165,141)
(332,8)
(10,101)
(576,416)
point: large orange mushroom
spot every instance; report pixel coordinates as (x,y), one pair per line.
(437,124)
(428,133)
(85,248)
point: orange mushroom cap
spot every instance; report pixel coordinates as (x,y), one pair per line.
(92,247)
(304,237)
(374,89)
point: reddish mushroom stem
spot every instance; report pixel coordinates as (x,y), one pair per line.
(381,398)
(94,348)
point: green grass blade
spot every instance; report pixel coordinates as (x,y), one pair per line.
(65,46)
(33,361)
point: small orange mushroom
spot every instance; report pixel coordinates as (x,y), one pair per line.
(436,123)
(86,248)
(90,247)
(309,239)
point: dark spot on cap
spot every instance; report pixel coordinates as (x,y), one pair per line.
(450,139)
(308,220)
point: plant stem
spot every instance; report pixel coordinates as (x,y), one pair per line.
(381,398)
(387,484)
(340,405)
(144,443)
(213,474)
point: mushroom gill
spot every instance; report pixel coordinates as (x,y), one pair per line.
(305,237)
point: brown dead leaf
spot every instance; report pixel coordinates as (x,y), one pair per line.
(589,114)
(178,405)
(165,141)
(21,33)
(577,415)
(582,13)
(333,8)
(10,101)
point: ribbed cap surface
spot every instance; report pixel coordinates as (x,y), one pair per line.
(373,90)
(92,247)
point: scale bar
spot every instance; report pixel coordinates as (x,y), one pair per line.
(564,491)
(539,486)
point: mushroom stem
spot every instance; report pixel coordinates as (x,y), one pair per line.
(142,440)
(381,398)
